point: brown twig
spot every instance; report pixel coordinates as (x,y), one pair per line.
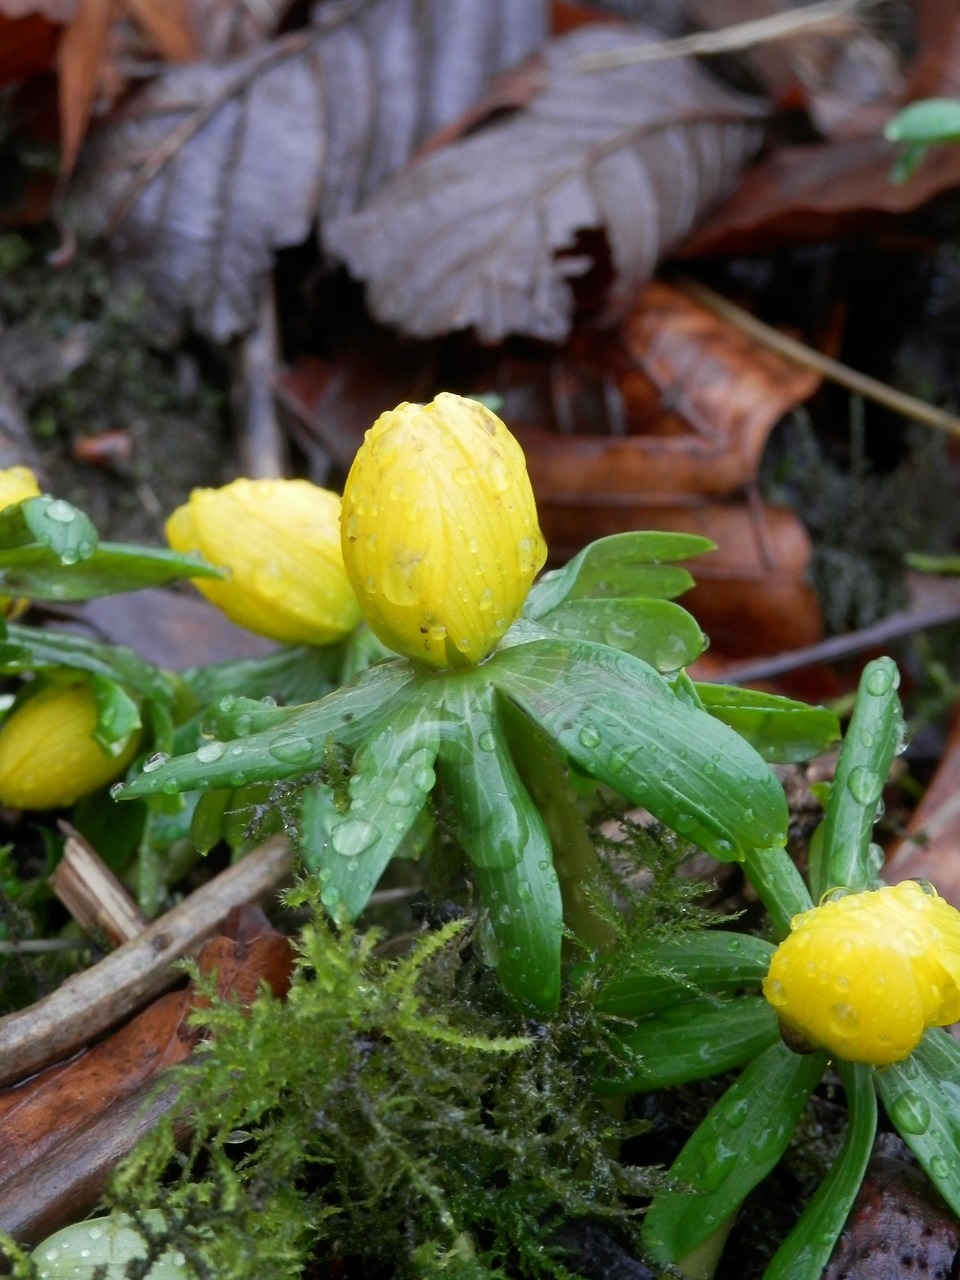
(93,895)
(94,1000)
(859,383)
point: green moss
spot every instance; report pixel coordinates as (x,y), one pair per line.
(390,1110)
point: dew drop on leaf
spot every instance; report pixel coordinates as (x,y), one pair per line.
(589,736)
(210,751)
(155,761)
(865,785)
(61,511)
(293,750)
(910,1113)
(353,836)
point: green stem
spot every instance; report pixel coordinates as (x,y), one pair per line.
(779,884)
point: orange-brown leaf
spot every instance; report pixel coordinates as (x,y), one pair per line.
(81,56)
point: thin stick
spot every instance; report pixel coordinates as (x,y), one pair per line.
(860,383)
(741,35)
(91,1001)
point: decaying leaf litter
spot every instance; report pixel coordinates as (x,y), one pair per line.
(184,211)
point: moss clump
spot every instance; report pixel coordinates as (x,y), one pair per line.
(391,1111)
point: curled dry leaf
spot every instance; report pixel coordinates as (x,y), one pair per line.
(484,232)
(212,168)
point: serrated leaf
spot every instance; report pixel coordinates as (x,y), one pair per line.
(483,233)
(695,1040)
(215,165)
(780,729)
(41,573)
(734,1148)
(623,564)
(622,723)
(658,631)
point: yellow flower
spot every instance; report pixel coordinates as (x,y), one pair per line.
(17,483)
(48,757)
(440,533)
(865,975)
(280,539)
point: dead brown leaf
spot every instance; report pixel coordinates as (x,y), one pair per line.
(169,26)
(75,1104)
(80,58)
(212,167)
(483,233)
(52,10)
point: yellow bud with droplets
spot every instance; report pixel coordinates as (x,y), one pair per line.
(280,539)
(864,975)
(439,530)
(16,484)
(48,756)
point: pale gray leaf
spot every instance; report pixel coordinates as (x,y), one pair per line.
(213,167)
(480,233)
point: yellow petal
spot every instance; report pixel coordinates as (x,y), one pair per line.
(17,483)
(440,533)
(280,539)
(865,975)
(48,757)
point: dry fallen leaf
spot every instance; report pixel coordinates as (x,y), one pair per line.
(483,232)
(213,167)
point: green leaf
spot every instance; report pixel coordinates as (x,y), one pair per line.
(624,564)
(622,723)
(921,1095)
(41,573)
(293,675)
(50,523)
(505,839)
(925,121)
(781,730)
(288,741)
(118,715)
(102,1249)
(806,1250)
(693,1040)
(874,736)
(734,1149)
(525,922)
(392,777)
(711,962)
(658,631)
(778,884)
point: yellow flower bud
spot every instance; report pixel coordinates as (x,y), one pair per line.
(280,539)
(440,533)
(48,756)
(865,975)
(17,483)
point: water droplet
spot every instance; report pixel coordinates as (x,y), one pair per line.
(170,787)
(52,1255)
(843,1020)
(353,836)
(910,943)
(524,892)
(115,790)
(155,761)
(210,751)
(939,1167)
(881,681)
(399,795)
(95,1233)
(733,944)
(709,768)
(487,741)
(910,1113)
(243,725)
(589,736)
(268,700)
(294,750)
(424,779)
(865,785)
(61,511)
(227,703)
(498,475)
(775,993)
(715,1165)
(466,476)
(238,778)
(736,1111)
